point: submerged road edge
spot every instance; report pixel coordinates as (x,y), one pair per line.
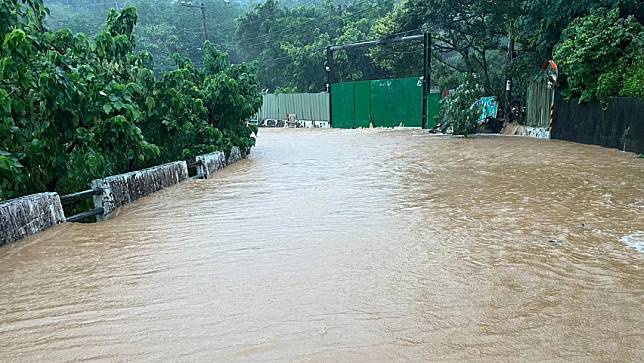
(32,214)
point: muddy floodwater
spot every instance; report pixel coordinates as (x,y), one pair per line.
(350,245)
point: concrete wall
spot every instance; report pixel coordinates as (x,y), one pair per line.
(29,215)
(32,214)
(619,126)
(538,132)
(235,156)
(210,163)
(120,190)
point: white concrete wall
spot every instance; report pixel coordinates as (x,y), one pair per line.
(210,163)
(28,215)
(515,129)
(537,132)
(119,190)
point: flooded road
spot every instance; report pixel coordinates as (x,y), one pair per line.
(349,245)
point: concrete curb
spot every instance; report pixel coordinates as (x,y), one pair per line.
(34,213)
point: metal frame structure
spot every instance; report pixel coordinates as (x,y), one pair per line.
(427,43)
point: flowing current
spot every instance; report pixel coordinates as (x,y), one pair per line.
(349,245)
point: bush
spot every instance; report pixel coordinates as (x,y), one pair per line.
(598,54)
(634,82)
(460,110)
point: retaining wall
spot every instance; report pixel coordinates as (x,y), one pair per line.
(210,163)
(28,215)
(120,190)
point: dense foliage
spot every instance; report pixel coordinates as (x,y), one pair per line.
(472,36)
(288,38)
(290,43)
(107,96)
(163,27)
(72,109)
(603,56)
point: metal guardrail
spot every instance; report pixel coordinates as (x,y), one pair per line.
(80,216)
(195,164)
(75,197)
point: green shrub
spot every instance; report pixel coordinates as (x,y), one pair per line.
(598,54)
(460,110)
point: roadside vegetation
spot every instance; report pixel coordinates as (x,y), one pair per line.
(597,43)
(74,108)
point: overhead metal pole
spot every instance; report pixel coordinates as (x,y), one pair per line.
(508,81)
(201,7)
(371,43)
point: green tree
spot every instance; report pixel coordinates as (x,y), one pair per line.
(460,110)
(289,44)
(470,36)
(163,27)
(599,52)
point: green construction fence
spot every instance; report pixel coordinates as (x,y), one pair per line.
(385,103)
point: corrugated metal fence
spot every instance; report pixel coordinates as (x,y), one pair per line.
(539,104)
(306,106)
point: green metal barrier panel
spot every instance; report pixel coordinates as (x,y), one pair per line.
(385,103)
(396,101)
(362,110)
(342,103)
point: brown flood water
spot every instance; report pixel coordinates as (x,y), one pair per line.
(349,245)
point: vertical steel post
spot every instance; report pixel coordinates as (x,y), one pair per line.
(429,62)
(508,82)
(329,81)
(426,55)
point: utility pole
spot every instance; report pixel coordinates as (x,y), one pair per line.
(202,7)
(329,81)
(427,54)
(203,19)
(508,81)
